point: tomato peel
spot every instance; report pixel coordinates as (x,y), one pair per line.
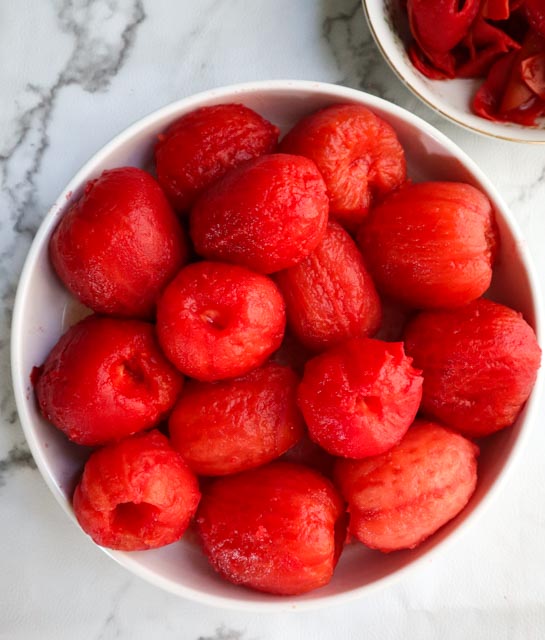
(485,43)
(438,25)
(502,41)
(496,9)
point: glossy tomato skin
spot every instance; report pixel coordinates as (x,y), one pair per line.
(266,215)
(360,397)
(278,529)
(117,247)
(357,153)
(329,295)
(106,378)
(203,145)
(400,498)
(234,425)
(479,364)
(431,245)
(136,494)
(217,320)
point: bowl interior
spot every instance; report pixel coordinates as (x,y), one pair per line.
(44,309)
(452,98)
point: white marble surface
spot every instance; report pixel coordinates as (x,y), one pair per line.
(75,72)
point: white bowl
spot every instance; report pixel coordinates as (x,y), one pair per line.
(43,310)
(451,98)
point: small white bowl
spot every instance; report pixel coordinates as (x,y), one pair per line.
(44,309)
(451,98)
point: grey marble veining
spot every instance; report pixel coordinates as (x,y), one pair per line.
(102,36)
(357,58)
(226,634)
(74,73)
(18,457)
(110,627)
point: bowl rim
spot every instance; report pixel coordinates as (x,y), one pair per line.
(229,93)
(414,90)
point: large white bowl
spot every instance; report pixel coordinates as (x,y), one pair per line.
(451,98)
(43,310)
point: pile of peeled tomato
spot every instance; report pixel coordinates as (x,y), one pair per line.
(287,346)
(502,41)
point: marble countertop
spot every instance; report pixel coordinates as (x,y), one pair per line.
(73,74)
